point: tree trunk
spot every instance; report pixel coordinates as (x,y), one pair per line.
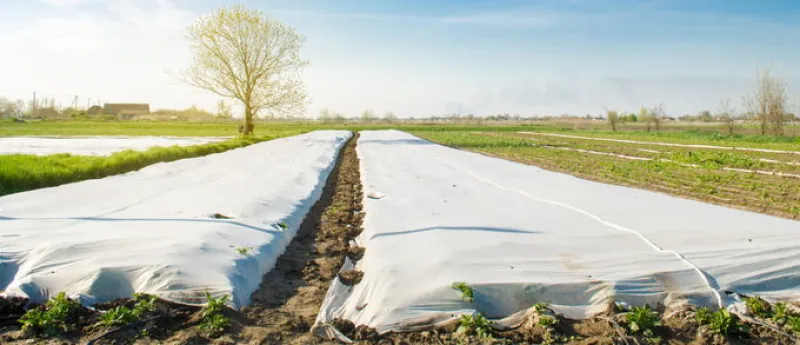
(248,121)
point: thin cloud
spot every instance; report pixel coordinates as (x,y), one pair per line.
(521,18)
(67,3)
(508,18)
(350,15)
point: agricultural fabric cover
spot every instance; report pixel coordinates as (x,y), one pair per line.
(213,224)
(520,235)
(93,146)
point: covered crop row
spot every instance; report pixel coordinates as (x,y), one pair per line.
(177,230)
(448,232)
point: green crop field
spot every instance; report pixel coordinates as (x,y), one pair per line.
(20,172)
(766,182)
(688,136)
(116,128)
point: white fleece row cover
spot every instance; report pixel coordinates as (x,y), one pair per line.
(519,235)
(92,146)
(161,230)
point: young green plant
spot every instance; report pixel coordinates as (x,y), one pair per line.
(476,325)
(214,322)
(466,291)
(122,315)
(642,319)
(757,306)
(51,319)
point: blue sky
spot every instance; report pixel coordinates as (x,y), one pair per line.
(422,58)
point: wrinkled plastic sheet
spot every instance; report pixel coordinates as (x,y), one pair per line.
(93,146)
(520,235)
(212,224)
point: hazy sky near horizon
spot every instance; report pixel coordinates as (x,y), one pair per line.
(421,58)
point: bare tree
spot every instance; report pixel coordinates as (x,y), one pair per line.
(795,116)
(657,115)
(612,116)
(329,116)
(767,103)
(645,116)
(20,108)
(9,108)
(389,117)
(242,54)
(726,114)
(367,116)
(325,115)
(224,111)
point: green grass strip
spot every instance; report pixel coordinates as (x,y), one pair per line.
(21,172)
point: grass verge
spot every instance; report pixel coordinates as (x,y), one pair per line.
(19,173)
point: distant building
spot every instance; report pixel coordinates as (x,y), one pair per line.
(126,111)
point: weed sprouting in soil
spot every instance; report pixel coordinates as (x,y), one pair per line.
(214,322)
(474,325)
(283,226)
(466,291)
(51,319)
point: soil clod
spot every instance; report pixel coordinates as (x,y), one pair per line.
(355,253)
(351,277)
(363,332)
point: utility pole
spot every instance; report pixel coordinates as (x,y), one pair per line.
(33,105)
(75,102)
(88,103)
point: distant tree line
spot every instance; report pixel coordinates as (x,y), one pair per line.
(766,105)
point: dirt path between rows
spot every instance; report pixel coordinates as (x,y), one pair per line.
(286,305)
(661,143)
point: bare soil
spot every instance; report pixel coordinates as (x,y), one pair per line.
(285,306)
(609,328)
